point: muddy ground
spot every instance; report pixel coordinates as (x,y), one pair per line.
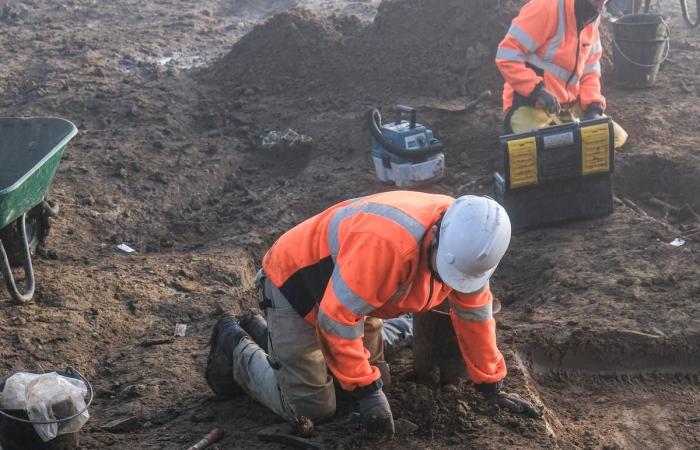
(601,319)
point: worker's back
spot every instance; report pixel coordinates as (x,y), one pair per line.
(370,237)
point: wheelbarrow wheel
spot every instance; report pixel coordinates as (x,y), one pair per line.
(37,226)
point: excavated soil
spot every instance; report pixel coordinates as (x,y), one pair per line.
(175,102)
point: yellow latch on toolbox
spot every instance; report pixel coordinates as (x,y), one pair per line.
(595,149)
(522,157)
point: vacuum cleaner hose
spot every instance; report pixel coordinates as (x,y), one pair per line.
(418,155)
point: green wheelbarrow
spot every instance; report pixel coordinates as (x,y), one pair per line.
(30,150)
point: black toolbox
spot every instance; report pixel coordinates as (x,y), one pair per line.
(558,173)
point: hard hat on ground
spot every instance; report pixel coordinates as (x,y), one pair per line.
(474,236)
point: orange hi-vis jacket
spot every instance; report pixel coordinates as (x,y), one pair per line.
(369,257)
(543,44)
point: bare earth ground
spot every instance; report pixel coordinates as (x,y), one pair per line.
(601,319)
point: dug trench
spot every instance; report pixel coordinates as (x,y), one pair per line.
(618,389)
(664,187)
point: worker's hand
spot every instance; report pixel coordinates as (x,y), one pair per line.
(548,102)
(375,414)
(511,402)
(594,111)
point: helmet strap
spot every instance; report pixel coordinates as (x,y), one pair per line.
(432,249)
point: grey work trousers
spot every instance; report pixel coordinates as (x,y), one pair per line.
(293,379)
(397,334)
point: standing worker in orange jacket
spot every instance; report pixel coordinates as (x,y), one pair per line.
(372,257)
(550,59)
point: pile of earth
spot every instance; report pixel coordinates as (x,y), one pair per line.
(413,47)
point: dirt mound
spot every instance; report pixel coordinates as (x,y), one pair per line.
(290,49)
(255,8)
(442,48)
(413,47)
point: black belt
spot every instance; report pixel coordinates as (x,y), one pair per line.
(264,302)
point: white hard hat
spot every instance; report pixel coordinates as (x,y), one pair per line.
(474,235)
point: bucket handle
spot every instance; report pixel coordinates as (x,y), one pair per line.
(65,419)
(663,58)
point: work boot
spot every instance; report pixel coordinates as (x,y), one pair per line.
(256,326)
(226,336)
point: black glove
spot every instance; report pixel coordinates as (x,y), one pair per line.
(594,111)
(375,413)
(512,402)
(546,99)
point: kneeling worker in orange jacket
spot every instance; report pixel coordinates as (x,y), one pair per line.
(371,257)
(550,60)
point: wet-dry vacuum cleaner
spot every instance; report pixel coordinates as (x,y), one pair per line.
(404,152)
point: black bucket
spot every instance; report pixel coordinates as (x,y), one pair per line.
(16,433)
(641,44)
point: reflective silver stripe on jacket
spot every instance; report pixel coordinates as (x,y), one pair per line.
(397,216)
(552,68)
(558,38)
(515,55)
(511,55)
(521,36)
(546,62)
(480,314)
(344,331)
(353,302)
(401,292)
(592,68)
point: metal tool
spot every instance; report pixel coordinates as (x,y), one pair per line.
(213,437)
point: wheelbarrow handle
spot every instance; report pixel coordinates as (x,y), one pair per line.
(28,269)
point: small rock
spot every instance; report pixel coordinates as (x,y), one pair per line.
(185,285)
(302,426)
(203,417)
(135,390)
(123,425)
(404,426)
(287,139)
(165,417)
(180,330)
(19,321)
(625,281)
(159,177)
(240,118)
(602,399)
(88,200)
(102,392)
